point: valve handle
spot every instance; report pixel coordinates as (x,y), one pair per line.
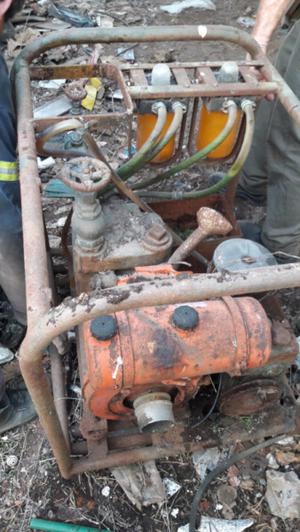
(85,174)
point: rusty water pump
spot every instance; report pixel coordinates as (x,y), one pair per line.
(153,327)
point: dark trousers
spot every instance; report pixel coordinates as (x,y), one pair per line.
(11,245)
(272,168)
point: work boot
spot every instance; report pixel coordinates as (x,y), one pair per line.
(11,331)
(16,407)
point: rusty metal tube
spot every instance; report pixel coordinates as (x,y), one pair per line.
(38,293)
(287,97)
(181,289)
(142,34)
(165,33)
(58,390)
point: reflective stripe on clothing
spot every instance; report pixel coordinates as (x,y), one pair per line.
(8,171)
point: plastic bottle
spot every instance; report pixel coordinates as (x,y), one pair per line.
(213,119)
(161,76)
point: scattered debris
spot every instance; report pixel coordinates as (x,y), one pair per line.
(126,53)
(105,491)
(124,153)
(171,487)
(56,107)
(289,440)
(246,22)
(51,83)
(227,498)
(117,95)
(69,15)
(93,88)
(43,164)
(57,189)
(175,512)
(283,494)
(178,7)
(233,476)
(206,460)
(254,467)
(12,460)
(23,38)
(287,458)
(209,524)
(272,464)
(104,21)
(141,483)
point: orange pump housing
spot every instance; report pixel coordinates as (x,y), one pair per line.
(148,353)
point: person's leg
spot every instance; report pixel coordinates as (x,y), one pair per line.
(254,176)
(11,245)
(281,229)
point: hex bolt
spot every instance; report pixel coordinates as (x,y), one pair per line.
(104,328)
(210,223)
(156,237)
(185,318)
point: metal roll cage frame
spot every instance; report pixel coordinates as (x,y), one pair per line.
(47,322)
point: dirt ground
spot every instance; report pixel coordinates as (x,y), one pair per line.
(33,487)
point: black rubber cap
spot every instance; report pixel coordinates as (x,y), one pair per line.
(104,328)
(185,318)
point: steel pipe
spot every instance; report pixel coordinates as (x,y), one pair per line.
(165,33)
(58,390)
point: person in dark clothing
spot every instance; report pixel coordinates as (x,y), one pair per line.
(15,405)
(271,173)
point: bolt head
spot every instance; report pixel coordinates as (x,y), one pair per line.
(104,328)
(157,232)
(185,318)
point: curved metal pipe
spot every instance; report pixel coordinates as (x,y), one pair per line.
(61,127)
(128,169)
(142,34)
(247,107)
(187,163)
(164,33)
(143,294)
